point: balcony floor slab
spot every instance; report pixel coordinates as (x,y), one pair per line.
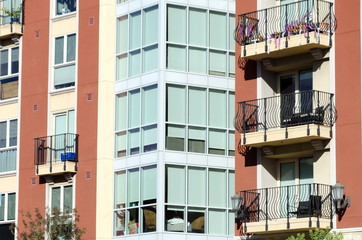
(57,168)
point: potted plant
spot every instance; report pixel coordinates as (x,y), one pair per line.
(14,13)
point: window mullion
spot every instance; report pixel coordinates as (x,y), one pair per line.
(6,196)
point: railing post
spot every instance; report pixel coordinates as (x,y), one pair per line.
(266,30)
(76,151)
(65,151)
(266,209)
(330,24)
(245,228)
(318,222)
(319,114)
(286,24)
(265,124)
(308,39)
(331,206)
(51,153)
(244,32)
(331,115)
(288,223)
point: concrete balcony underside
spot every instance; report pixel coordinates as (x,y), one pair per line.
(8,30)
(296,44)
(286,136)
(281,225)
(57,168)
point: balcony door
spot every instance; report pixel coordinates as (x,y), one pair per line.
(287,100)
(64,123)
(287,191)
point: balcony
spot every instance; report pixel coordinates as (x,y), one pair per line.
(11,19)
(286,119)
(286,208)
(56,155)
(286,30)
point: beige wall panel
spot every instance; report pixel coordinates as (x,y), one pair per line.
(64,26)
(62,101)
(321,167)
(9,111)
(8,184)
(321,78)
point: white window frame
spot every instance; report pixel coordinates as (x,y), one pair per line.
(8,134)
(61,202)
(66,114)
(10,75)
(64,63)
(6,204)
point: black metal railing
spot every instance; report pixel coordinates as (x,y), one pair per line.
(57,148)
(303,17)
(286,110)
(286,202)
(12,12)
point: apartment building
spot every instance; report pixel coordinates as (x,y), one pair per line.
(123,110)
(298,89)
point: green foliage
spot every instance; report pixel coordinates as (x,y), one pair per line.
(55,225)
(318,234)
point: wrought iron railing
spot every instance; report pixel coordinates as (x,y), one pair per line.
(57,148)
(286,110)
(286,202)
(303,17)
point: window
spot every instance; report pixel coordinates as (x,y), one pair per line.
(136,121)
(135,201)
(64,131)
(198,200)
(137,43)
(200,120)
(8,143)
(9,73)
(10,5)
(62,198)
(64,61)
(7,214)
(200,41)
(65,6)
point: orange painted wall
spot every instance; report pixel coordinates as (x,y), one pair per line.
(245,89)
(348,104)
(87,114)
(34,88)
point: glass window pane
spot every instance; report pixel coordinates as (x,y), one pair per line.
(68,199)
(196,141)
(217,188)
(197,26)
(149,105)
(149,183)
(119,222)
(59,50)
(196,218)
(175,138)
(64,76)
(122,34)
(231,187)
(71,46)
(306,80)
(150,25)
(15,60)
(66,6)
(149,138)
(134,63)
(135,30)
(231,32)
(55,198)
(217,142)
(217,221)
(231,65)
(71,121)
(150,58)
(196,186)
(197,60)
(121,110)
(3,134)
(120,189)
(306,171)
(133,221)
(176,103)
(217,108)
(231,223)
(133,187)
(176,24)
(176,57)
(2,207)
(149,219)
(13,133)
(217,63)
(231,143)
(197,106)
(122,66)
(134,108)
(134,141)
(218,32)
(8,160)
(4,58)
(121,144)
(231,113)
(175,184)
(175,221)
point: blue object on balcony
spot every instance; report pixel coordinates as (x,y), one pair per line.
(70,156)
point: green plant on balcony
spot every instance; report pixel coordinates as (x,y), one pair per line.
(14,13)
(318,234)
